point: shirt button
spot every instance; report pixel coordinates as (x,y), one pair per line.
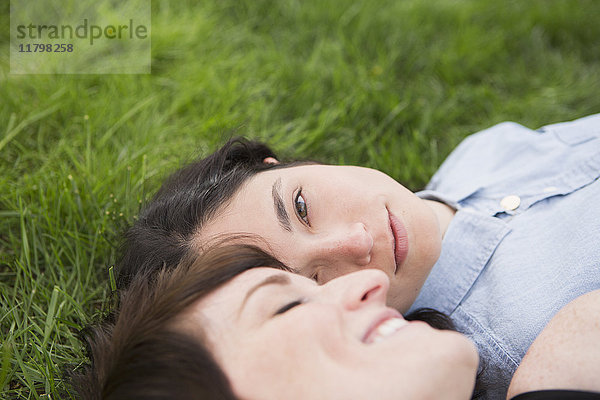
(511,202)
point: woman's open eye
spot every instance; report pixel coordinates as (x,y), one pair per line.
(301,207)
(288,307)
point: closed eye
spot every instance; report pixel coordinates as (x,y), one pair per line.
(288,307)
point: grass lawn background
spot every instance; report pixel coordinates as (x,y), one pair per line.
(393,85)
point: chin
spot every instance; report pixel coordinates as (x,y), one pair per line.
(464,359)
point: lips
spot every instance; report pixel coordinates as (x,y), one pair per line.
(385,325)
(400,237)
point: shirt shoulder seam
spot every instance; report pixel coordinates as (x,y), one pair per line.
(473,321)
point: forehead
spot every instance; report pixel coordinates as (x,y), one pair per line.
(260,185)
(314,171)
(250,210)
(220,304)
(232,293)
(227,313)
(265,179)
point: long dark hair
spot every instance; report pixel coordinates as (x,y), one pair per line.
(162,234)
(137,354)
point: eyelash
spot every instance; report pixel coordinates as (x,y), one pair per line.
(304,218)
(288,307)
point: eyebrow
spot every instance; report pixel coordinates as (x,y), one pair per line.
(278,205)
(278,279)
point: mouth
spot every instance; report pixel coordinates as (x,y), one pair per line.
(386,325)
(400,240)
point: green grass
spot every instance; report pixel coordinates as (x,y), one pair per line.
(393,85)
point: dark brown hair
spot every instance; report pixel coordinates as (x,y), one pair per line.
(135,354)
(161,236)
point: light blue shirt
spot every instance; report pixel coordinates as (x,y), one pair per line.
(525,239)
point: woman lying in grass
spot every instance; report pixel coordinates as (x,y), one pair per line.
(505,235)
(234,324)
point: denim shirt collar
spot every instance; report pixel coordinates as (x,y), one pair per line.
(478,235)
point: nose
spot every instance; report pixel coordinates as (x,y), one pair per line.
(357,289)
(352,243)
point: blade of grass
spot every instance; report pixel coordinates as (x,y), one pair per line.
(10,135)
(108,134)
(49,325)
(5,365)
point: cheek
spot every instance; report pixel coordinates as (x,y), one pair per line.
(305,340)
(287,359)
(312,331)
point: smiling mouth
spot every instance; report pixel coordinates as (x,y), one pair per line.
(400,240)
(388,324)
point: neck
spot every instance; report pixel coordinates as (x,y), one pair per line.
(443,212)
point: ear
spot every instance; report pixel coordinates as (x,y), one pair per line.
(270,160)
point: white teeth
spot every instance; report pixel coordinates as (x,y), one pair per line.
(388,327)
(385,329)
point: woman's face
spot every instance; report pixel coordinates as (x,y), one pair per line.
(278,335)
(326,221)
